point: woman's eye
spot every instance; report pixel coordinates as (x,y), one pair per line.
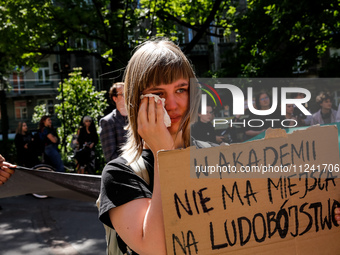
(181,90)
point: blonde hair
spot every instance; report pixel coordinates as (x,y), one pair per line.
(156,62)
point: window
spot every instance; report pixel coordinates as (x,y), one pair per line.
(49,104)
(43,75)
(190,35)
(20,108)
(18,82)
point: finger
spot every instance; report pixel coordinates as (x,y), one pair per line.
(160,112)
(142,112)
(8,166)
(4,176)
(2,159)
(151,111)
(8,170)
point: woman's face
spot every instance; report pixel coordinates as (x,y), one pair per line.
(264,101)
(326,104)
(48,122)
(87,123)
(24,127)
(176,97)
(289,109)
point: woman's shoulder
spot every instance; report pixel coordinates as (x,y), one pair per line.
(120,167)
(116,165)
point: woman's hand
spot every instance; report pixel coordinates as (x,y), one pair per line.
(337,215)
(5,170)
(151,126)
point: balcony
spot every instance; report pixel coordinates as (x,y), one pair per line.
(32,88)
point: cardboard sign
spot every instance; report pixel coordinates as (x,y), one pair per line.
(288,213)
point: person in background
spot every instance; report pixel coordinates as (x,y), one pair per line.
(290,116)
(87,140)
(262,102)
(112,132)
(23,140)
(50,139)
(302,119)
(326,114)
(203,129)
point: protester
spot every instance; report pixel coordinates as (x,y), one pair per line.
(112,132)
(291,119)
(128,203)
(50,139)
(326,114)
(24,143)
(302,119)
(262,102)
(203,129)
(87,140)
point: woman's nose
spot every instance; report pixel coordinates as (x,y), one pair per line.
(170,102)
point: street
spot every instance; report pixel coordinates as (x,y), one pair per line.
(50,226)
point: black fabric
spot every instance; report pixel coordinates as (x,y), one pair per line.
(203,132)
(83,155)
(45,132)
(266,122)
(120,185)
(26,156)
(87,138)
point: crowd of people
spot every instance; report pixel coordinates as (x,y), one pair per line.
(130,200)
(42,147)
(203,129)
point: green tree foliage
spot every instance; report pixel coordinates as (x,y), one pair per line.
(172,18)
(78,98)
(275,39)
(39,111)
(30,30)
(272,39)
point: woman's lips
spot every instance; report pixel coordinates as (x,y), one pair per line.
(175,118)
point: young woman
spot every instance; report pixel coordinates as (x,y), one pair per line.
(326,114)
(262,102)
(50,139)
(130,201)
(23,140)
(87,140)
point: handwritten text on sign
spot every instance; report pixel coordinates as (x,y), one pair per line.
(249,215)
